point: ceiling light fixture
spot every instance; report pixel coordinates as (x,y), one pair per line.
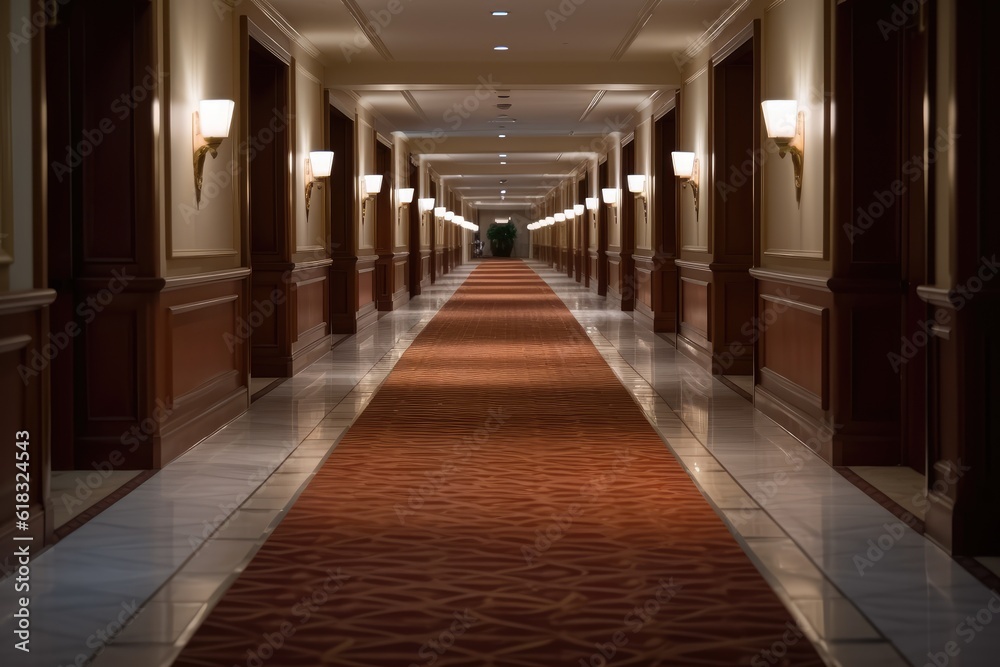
(500,13)
(500,48)
(502,136)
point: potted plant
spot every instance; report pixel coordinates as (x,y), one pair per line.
(501,238)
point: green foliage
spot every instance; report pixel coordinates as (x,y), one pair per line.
(506,232)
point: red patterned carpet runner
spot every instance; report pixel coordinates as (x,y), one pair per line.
(501,502)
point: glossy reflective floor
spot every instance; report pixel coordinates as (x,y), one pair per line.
(132,584)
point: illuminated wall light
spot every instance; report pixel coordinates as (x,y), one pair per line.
(578,209)
(319,164)
(210,126)
(686,169)
(637,186)
(785,124)
(592,203)
(372,184)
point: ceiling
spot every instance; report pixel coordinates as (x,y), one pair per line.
(574,71)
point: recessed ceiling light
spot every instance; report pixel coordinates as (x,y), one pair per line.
(503,155)
(502,162)
(502,136)
(503,192)
(500,13)
(499,48)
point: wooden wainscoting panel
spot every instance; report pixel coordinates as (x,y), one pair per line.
(202,337)
(694,305)
(205,335)
(794,345)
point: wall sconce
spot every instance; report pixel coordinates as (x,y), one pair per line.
(785,124)
(404,197)
(449,215)
(592,203)
(559,217)
(425,204)
(686,169)
(439,211)
(372,186)
(611,199)
(578,209)
(569,213)
(549,220)
(637,186)
(319,164)
(210,127)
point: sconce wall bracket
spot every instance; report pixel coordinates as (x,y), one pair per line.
(693,182)
(796,148)
(202,146)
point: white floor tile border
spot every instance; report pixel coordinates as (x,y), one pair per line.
(917,627)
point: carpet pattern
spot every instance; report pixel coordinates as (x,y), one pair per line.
(501,502)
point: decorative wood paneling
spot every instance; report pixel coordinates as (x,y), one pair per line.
(793,344)
(202,337)
(23,385)
(694,305)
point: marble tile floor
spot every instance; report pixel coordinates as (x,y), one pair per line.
(903,485)
(170,548)
(75,491)
(131,584)
(864,588)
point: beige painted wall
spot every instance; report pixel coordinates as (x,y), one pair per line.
(793,49)
(202,53)
(364,145)
(18,161)
(793,68)
(202,63)
(694,128)
(311,232)
(643,165)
